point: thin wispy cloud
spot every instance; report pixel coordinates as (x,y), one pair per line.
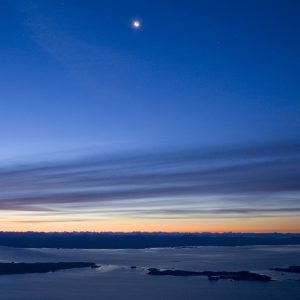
(164,183)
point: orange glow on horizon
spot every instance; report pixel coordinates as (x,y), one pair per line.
(259,225)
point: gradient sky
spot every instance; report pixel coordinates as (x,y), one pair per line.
(190,123)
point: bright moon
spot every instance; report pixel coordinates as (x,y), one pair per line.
(136,24)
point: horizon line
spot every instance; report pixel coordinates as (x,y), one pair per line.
(159,232)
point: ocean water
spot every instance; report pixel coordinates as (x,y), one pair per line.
(116,280)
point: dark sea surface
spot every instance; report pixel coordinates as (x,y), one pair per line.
(115,279)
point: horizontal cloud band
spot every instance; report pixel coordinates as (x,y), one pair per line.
(267,169)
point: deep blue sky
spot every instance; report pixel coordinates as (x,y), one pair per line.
(76,77)
(74,74)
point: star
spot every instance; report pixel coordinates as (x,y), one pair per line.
(136,24)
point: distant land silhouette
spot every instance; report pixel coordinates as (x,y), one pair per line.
(26,268)
(140,240)
(212,275)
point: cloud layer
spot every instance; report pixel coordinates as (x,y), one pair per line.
(192,182)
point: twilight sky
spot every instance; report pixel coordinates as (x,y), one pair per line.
(189,123)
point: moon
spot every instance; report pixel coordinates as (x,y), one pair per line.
(136,24)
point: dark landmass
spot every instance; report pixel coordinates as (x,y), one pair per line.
(291,269)
(141,240)
(26,268)
(239,276)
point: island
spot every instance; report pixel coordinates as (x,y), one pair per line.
(290,269)
(41,267)
(212,275)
